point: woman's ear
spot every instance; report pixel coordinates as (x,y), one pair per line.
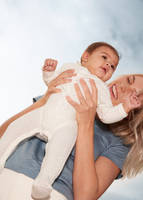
(85,56)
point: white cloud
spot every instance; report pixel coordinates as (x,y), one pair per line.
(125,189)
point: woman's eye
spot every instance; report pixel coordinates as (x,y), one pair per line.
(131,79)
(128,79)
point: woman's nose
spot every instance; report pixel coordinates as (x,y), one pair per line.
(122,87)
(126,88)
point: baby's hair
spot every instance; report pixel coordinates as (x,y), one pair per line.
(96,45)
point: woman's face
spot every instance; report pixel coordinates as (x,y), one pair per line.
(123,85)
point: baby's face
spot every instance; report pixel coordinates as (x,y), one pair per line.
(102,62)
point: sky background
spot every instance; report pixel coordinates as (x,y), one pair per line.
(33,30)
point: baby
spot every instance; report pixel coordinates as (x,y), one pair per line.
(55,122)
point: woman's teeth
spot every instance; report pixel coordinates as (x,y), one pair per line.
(114,91)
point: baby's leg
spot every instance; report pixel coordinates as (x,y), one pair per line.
(57,152)
(18,130)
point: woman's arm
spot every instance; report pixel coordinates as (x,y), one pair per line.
(90,179)
(34,106)
(62,78)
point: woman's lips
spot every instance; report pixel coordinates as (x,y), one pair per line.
(113,91)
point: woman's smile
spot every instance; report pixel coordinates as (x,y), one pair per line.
(113,91)
(124,85)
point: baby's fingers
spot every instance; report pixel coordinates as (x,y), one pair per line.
(129,95)
(54,63)
(49,68)
(138,101)
(135,101)
(50,61)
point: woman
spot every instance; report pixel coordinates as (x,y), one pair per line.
(92,174)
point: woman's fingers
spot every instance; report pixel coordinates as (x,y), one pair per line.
(94,90)
(68,73)
(80,96)
(86,109)
(90,96)
(52,90)
(64,77)
(86,89)
(88,99)
(74,104)
(83,102)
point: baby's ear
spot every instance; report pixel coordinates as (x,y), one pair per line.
(85,56)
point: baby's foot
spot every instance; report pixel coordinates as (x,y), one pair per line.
(41,189)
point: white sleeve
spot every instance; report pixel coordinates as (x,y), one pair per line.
(109,114)
(48,76)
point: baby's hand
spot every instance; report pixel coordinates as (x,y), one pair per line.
(131,102)
(50,65)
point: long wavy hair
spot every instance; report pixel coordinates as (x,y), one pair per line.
(131,131)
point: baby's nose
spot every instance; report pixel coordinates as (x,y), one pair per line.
(108,65)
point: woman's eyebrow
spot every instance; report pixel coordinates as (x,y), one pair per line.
(133,78)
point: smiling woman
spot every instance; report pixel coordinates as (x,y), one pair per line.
(131,129)
(124,85)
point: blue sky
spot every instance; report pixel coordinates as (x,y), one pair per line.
(32,30)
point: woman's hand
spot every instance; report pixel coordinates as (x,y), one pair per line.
(64,77)
(86,110)
(85,180)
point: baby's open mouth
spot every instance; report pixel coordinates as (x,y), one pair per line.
(104,69)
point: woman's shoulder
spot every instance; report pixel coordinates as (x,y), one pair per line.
(105,134)
(109,145)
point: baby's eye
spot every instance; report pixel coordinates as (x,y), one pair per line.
(104,57)
(112,66)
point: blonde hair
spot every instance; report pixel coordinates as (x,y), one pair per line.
(131,131)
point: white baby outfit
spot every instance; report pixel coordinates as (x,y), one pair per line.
(55,122)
